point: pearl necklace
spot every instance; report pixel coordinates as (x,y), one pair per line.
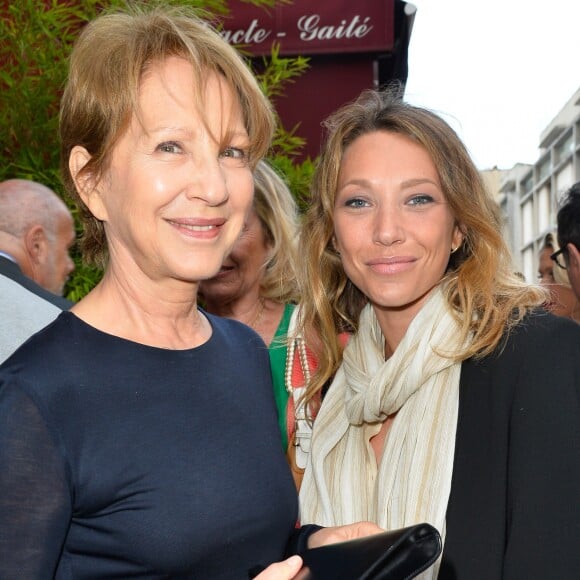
(302,421)
(296,343)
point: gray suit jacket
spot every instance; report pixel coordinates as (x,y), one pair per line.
(22,313)
(11,270)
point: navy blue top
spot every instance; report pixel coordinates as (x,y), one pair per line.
(119,460)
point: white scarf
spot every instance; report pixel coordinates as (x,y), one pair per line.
(342,483)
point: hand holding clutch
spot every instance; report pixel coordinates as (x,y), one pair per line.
(394,555)
(334,534)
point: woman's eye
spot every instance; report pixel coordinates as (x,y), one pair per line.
(169,147)
(235,153)
(422,199)
(356,202)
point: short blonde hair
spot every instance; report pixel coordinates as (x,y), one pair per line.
(106,68)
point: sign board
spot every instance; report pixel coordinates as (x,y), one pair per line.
(352,45)
(312,27)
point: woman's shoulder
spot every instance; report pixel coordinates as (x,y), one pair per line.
(53,337)
(538,345)
(541,328)
(230,333)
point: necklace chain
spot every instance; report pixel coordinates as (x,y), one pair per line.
(258,316)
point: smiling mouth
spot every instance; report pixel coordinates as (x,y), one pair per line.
(198,228)
(391,265)
(391,261)
(195,228)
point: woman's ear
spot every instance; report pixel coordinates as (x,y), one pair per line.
(458,237)
(333,247)
(85,182)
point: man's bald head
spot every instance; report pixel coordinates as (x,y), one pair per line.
(24,203)
(36,229)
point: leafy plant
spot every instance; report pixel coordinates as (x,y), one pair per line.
(37,37)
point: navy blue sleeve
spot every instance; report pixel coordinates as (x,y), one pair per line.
(35,507)
(298,541)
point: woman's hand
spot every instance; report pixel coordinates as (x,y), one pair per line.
(288,569)
(342,533)
(285,570)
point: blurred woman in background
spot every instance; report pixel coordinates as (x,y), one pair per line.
(257,285)
(563,301)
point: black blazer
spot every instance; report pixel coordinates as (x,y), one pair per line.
(514,507)
(11,270)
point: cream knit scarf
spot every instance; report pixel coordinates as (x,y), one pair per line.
(342,483)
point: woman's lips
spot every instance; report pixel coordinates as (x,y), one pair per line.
(392,264)
(198,228)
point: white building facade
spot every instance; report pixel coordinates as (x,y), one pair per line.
(529,194)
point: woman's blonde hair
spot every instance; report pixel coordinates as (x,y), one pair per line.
(278,213)
(106,68)
(481,288)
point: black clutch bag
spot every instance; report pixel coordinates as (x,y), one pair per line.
(393,555)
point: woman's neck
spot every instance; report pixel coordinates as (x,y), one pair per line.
(394,321)
(161,315)
(247,308)
(261,314)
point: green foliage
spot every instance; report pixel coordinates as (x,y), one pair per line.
(36,40)
(279,70)
(276,73)
(298,176)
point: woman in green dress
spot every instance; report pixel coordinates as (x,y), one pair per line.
(257,286)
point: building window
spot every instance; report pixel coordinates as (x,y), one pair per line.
(564,179)
(544,208)
(565,148)
(544,169)
(527,184)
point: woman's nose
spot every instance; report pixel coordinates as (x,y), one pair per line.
(546,279)
(388,226)
(208,180)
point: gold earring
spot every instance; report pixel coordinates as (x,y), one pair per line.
(453,250)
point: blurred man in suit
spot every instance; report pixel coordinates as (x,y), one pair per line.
(36,231)
(569,236)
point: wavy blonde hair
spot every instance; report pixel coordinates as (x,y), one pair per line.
(107,65)
(278,214)
(482,291)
